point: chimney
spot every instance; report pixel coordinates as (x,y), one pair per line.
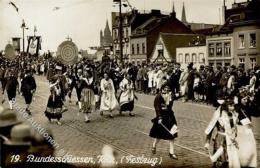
(224,12)
(155,12)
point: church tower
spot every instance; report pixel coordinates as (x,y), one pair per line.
(183,16)
(107,36)
(173,13)
(101,38)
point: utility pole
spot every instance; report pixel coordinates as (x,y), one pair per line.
(23,27)
(121,32)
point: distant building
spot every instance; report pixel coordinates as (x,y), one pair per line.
(194,54)
(106,37)
(131,21)
(237,42)
(145,37)
(167,43)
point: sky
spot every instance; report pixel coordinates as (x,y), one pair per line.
(82,20)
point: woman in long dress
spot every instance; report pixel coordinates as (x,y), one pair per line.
(108,98)
(87,98)
(126,97)
(245,136)
(164,124)
(225,146)
(54,105)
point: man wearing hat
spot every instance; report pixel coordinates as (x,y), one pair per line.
(18,143)
(8,119)
(28,88)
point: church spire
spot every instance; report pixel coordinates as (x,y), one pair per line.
(173,8)
(183,16)
(173,13)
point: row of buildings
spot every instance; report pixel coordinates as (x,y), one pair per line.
(157,37)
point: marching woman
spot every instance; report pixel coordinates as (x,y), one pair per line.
(245,136)
(28,88)
(54,106)
(126,97)
(225,145)
(87,99)
(164,124)
(108,98)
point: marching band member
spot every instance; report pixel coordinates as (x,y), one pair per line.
(164,124)
(87,98)
(28,87)
(126,97)
(108,98)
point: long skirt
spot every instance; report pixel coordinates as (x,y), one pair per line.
(108,101)
(158,131)
(88,100)
(247,146)
(54,108)
(126,101)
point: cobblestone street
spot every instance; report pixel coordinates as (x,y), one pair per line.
(130,135)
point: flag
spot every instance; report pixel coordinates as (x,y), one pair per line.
(34,45)
(16,8)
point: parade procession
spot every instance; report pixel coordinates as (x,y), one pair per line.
(129,83)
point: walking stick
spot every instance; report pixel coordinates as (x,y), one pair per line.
(171,132)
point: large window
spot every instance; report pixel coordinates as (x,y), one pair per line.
(133,49)
(201,58)
(211,50)
(143,48)
(227,49)
(194,58)
(187,58)
(179,58)
(219,49)
(137,49)
(253,62)
(252,40)
(242,62)
(241,38)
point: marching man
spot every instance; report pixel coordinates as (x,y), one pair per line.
(28,88)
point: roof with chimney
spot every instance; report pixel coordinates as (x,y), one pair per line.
(241,14)
(135,18)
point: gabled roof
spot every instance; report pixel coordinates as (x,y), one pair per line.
(173,41)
